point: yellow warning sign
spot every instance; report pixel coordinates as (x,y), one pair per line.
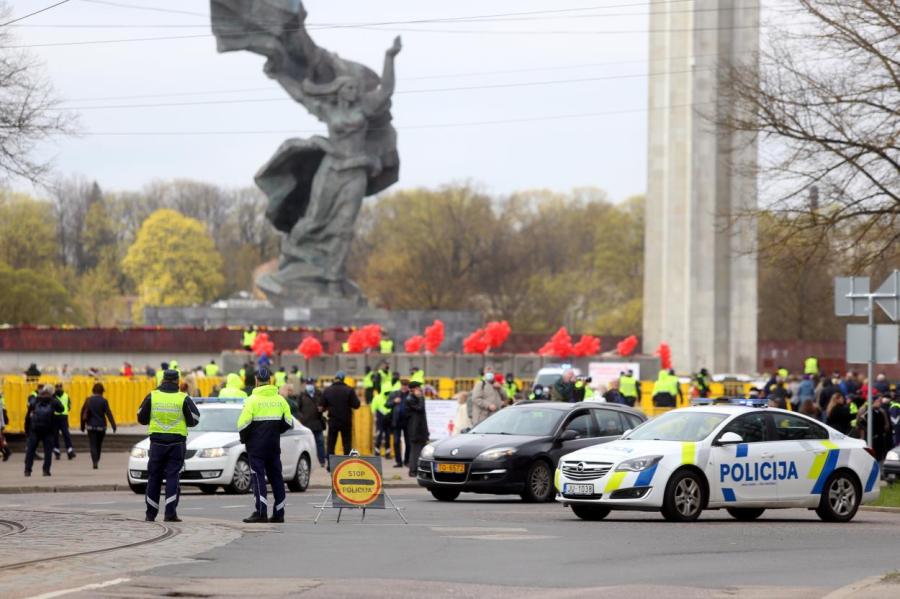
(357,483)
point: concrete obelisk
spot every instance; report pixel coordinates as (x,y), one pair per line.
(700,287)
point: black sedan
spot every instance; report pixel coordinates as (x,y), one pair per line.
(516,450)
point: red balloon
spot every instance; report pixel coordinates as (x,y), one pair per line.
(476,343)
(434,336)
(665,355)
(627,346)
(310,348)
(414,344)
(559,345)
(587,346)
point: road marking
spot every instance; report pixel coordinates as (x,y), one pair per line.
(478,530)
(103,502)
(234,507)
(87,587)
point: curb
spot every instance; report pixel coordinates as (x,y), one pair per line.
(878,508)
(124,487)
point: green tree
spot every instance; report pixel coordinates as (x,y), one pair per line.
(99,242)
(30,297)
(27,234)
(173,262)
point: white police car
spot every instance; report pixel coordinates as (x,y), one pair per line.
(742,459)
(216,457)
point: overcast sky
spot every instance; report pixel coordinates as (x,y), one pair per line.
(445,134)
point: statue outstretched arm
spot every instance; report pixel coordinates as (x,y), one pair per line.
(375,100)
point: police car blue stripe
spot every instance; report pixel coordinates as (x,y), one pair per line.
(830,464)
(873,477)
(741,450)
(728,494)
(645,477)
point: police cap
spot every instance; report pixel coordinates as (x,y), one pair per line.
(170,375)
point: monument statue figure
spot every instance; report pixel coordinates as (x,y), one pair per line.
(315,186)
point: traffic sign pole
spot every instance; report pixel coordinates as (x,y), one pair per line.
(871,373)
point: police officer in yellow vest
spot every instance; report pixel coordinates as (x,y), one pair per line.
(387,346)
(416,375)
(666,389)
(280,377)
(248,338)
(811,366)
(264,417)
(159,373)
(170,413)
(211,369)
(629,388)
(61,421)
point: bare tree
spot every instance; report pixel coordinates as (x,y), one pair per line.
(825,107)
(29,112)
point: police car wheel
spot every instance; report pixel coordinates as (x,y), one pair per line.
(136,488)
(745,514)
(684,497)
(840,499)
(300,482)
(590,512)
(538,483)
(240,483)
(444,494)
(208,489)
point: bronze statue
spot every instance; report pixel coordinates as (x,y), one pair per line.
(315,186)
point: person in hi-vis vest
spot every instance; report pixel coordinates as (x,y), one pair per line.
(169,413)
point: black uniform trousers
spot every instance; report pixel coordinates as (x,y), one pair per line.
(346,433)
(166,461)
(664,400)
(262,467)
(95,438)
(401,456)
(62,428)
(44,437)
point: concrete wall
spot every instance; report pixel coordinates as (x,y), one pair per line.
(700,274)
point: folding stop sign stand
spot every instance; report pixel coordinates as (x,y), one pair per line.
(356,484)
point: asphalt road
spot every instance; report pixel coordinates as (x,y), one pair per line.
(502,542)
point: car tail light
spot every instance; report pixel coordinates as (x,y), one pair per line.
(871,452)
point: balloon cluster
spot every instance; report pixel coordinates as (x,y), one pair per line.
(560,345)
(627,346)
(492,336)
(665,355)
(310,348)
(414,344)
(431,341)
(367,337)
(263,346)
(434,336)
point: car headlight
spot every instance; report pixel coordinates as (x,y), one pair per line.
(427,452)
(212,452)
(137,452)
(638,464)
(893,456)
(496,454)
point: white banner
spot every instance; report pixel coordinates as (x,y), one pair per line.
(440,414)
(603,372)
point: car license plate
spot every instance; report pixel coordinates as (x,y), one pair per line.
(570,489)
(452,468)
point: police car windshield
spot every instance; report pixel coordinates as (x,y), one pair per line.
(531,422)
(678,426)
(217,421)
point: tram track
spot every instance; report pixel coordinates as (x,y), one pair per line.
(166,532)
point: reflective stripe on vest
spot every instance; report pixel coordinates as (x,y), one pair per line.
(166,413)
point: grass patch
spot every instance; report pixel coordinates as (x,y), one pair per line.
(891,578)
(890,497)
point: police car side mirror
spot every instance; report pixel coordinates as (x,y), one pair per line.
(628,432)
(567,435)
(729,438)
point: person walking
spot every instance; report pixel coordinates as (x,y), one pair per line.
(61,421)
(338,401)
(94,415)
(264,417)
(486,398)
(40,427)
(169,412)
(310,400)
(416,426)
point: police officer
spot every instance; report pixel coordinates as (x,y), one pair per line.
(61,420)
(629,387)
(40,427)
(211,369)
(264,417)
(169,412)
(510,387)
(702,380)
(537,393)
